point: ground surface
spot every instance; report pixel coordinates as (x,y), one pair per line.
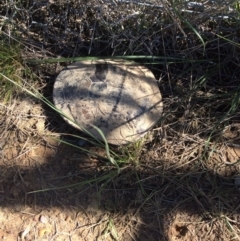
(181,183)
(128,207)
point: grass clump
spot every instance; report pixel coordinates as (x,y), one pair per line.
(181,179)
(10,66)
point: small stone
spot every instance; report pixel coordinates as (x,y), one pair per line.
(195,6)
(43,219)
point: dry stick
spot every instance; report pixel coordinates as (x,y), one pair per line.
(74,230)
(126,18)
(164,50)
(93,33)
(22,152)
(161,6)
(141,4)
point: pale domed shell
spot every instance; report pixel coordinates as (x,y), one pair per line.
(121,98)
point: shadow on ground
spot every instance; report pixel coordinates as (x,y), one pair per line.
(142,202)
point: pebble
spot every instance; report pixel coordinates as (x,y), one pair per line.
(43,219)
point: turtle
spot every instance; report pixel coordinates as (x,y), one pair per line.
(121,98)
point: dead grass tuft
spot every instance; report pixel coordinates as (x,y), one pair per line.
(180,183)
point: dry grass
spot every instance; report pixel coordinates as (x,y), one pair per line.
(179,183)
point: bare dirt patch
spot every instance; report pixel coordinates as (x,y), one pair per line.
(46,193)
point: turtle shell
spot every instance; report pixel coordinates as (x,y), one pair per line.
(120,98)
